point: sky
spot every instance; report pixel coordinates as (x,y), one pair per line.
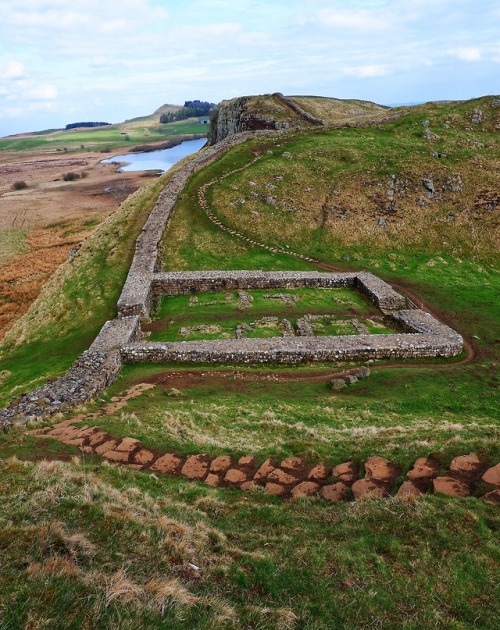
(64,61)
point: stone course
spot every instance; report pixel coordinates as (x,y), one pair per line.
(293,478)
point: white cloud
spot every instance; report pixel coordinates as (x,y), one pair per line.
(470,53)
(353,19)
(45,92)
(12,70)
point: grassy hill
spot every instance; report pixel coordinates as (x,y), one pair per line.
(414,199)
(141,130)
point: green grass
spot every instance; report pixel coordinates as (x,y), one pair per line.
(84,544)
(103,138)
(225,311)
(88,545)
(75,303)
(397,412)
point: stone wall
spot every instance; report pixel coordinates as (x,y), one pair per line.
(426,338)
(136,295)
(89,375)
(118,341)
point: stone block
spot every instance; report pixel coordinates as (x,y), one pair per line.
(381,469)
(451,486)
(368,488)
(319,472)
(128,445)
(117,456)
(265,470)
(492,475)
(347,472)
(168,464)
(281,477)
(409,488)
(334,492)
(221,464)
(143,456)
(109,445)
(195,467)
(337,383)
(275,488)
(305,489)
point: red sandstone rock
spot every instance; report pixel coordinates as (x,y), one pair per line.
(492,475)
(247,460)
(88,450)
(109,445)
(143,457)
(409,488)
(83,433)
(334,492)
(424,468)
(274,488)
(348,472)
(235,476)
(68,434)
(135,466)
(368,487)
(167,464)
(212,480)
(265,470)
(380,469)
(451,486)
(305,489)
(493,496)
(293,463)
(67,423)
(196,467)
(57,431)
(319,472)
(127,445)
(466,465)
(221,463)
(280,476)
(98,438)
(117,456)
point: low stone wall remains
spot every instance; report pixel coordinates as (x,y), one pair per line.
(294,350)
(89,375)
(118,341)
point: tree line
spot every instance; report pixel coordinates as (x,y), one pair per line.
(87,124)
(191,109)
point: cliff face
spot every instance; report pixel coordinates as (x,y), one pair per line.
(244,114)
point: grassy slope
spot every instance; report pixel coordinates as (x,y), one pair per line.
(91,545)
(145,131)
(76,301)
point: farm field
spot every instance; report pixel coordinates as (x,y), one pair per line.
(136,548)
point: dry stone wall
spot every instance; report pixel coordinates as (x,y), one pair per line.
(118,340)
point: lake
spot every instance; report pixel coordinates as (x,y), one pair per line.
(160,160)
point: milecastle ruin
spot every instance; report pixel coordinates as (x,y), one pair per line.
(121,340)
